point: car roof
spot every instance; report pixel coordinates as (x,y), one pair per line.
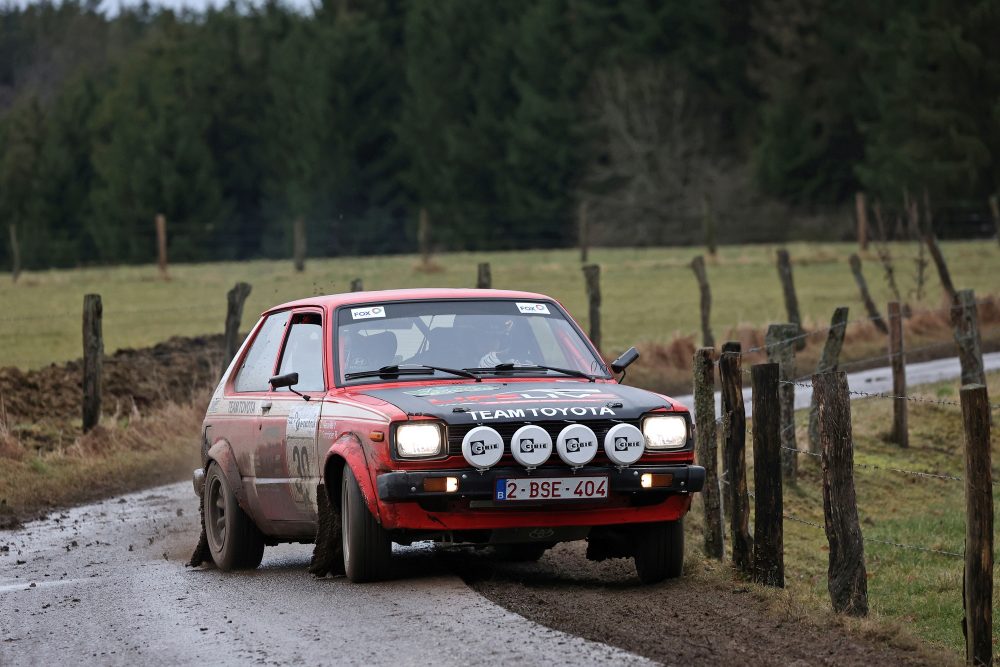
(330,301)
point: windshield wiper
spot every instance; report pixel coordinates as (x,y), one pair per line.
(396,370)
(533,367)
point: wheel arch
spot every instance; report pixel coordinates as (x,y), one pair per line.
(222,454)
(348,451)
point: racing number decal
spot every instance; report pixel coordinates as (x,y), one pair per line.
(300,442)
(300,466)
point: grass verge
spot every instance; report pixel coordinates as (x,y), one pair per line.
(909,591)
(116,457)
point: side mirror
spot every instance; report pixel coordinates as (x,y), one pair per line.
(286,380)
(625,360)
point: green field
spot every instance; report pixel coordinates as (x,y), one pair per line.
(649,295)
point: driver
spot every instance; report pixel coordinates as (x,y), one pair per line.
(508,344)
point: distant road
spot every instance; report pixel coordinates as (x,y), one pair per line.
(873,381)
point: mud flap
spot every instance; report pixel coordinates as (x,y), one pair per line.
(201,553)
(328,554)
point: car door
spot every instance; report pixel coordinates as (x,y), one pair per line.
(289,426)
(247,398)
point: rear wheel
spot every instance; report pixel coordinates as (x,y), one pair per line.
(659,552)
(233,539)
(520,553)
(367,547)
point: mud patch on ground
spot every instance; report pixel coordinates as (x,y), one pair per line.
(699,619)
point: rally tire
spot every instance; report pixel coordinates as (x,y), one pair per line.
(659,551)
(366,545)
(528,552)
(234,541)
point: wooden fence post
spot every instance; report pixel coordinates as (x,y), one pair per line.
(357,285)
(791,300)
(827,364)
(708,222)
(781,351)
(768,545)
(866,296)
(698,266)
(235,299)
(299,243)
(592,274)
(995,211)
(734,466)
(161,245)
(93,358)
(583,232)
(941,266)
(424,237)
(977,584)
(965,319)
(897,360)
(15,253)
(707,447)
(847,580)
(861,209)
(484,279)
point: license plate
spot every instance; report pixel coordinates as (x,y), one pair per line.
(551,488)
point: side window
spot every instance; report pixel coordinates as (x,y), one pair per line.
(259,362)
(304,352)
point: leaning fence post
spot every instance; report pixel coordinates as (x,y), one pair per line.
(791,300)
(484,279)
(941,266)
(698,266)
(965,319)
(734,434)
(592,274)
(357,285)
(704,410)
(897,360)
(847,580)
(235,299)
(93,357)
(768,544)
(828,362)
(781,351)
(859,278)
(977,584)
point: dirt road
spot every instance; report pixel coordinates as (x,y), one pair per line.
(106,584)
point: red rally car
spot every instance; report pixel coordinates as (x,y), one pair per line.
(465,417)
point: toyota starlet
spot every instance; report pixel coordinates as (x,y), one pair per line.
(483,418)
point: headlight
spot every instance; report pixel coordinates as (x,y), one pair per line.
(667,432)
(419,440)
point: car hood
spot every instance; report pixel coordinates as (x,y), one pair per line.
(488,402)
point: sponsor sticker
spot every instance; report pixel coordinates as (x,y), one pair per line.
(447,390)
(533,308)
(367,313)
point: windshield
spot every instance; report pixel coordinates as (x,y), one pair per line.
(460,335)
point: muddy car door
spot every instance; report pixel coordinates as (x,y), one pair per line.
(289,427)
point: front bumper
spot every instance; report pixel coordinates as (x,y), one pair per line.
(409,485)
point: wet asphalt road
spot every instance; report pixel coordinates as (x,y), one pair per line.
(106,584)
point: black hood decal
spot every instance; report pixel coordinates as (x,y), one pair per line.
(490,402)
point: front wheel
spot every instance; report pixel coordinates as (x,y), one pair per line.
(233,539)
(659,552)
(367,547)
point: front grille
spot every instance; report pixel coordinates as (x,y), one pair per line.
(600,427)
